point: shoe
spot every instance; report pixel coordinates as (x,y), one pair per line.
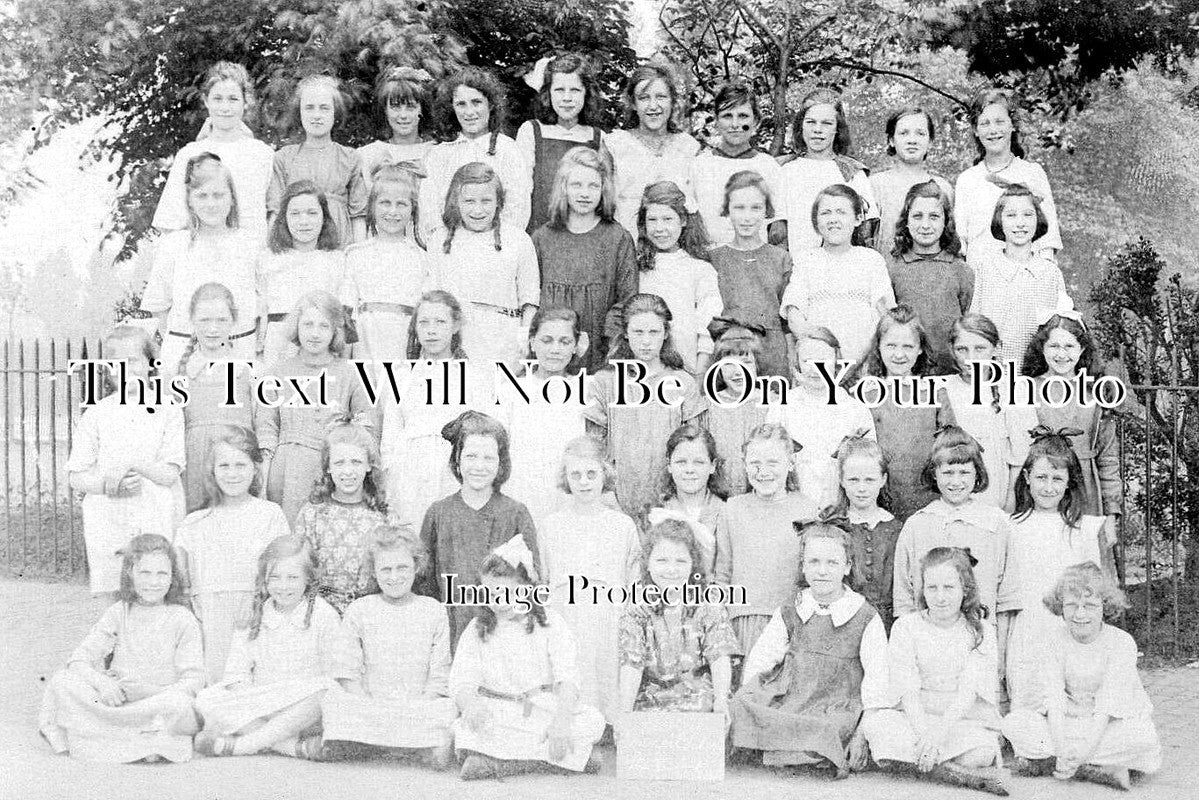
(1115,777)
(1032,767)
(955,775)
(309,748)
(209,744)
(477,766)
(340,750)
(153,758)
(595,762)
(440,758)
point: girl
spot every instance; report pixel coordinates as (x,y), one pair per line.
(211,248)
(819,664)
(384,275)
(862,475)
(756,533)
(280,665)
(1001,429)
(488,264)
(821,140)
(568,106)
(634,433)
(402,96)
(317,106)
(958,519)
(140,707)
(588,261)
(838,286)
(515,681)
(471,106)
(899,352)
(126,459)
(219,544)
(303,257)
(910,132)
(458,531)
(692,491)
(291,431)
(1050,531)
(396,695)
(345,506)
(731,425)
(536,426)
(943,668)
(228,96)
(206,414)
(675,657)
(999,166)
(750,273)
(416,455)
(1014,286)
(653,147)
(926,271)
(1061,349)
(818,416)
(1097,720)
(737,119)
(672,253)
(588,540)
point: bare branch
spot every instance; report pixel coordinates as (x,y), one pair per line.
(857,65)
(755,20)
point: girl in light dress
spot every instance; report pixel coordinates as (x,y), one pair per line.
(470,107)
(228,97)
(837,285)
(755,533)
(944,669)
(393,696)
(210,248)
(1001,429)
(139,706)
(303,257)
(822,141)
(675,657)
(516,683)
(568,106)
(126,459)
(218,546)
(345,505)
(1096,722)
(280,664)
(292,432)
(317,105)
(402,96)
(1050,531)
(672,254)
(654,145)
(588,261)
(692,490)
(385,275)
(1014,286)
(587,540)
(213,311)
(489,264)
(999,166)
(634,434)
(537,426)
(910,131)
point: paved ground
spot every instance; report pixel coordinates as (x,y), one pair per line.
(40,623)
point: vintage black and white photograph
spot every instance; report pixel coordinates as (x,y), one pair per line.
(599,398)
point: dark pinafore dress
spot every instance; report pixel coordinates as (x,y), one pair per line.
(547,154)
(806,710)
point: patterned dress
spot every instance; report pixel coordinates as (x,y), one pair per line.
(339,533)
(675,654)
(1016,296)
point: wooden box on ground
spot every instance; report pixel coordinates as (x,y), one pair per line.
(670,746)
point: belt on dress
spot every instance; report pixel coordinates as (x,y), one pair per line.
(507,312)
(241,335)
(525,699)
(385,307)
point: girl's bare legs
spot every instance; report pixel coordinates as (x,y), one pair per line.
(280,732)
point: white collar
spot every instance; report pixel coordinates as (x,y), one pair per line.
(841,610)
(974,511)
(274,619)
(871,519)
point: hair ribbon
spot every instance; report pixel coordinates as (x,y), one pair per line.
(535,77)
(856,436)
(1045,432)
(517,554)
(1066,313)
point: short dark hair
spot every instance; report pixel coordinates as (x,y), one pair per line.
(952,445)
(1018,190)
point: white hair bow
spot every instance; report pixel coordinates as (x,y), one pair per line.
(1068,313)
(535,78)
(517,554)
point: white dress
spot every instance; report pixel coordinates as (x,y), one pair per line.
(283,279)
(182,265)
(602,548)
(976,192)
(382,284)
(112,438)
(1016,297)
(220,547)
(636,167)
(692,293)
(400,651)
(710,171)
(1042,547)
(804,178)
(1002,433)
(443,160)
(510,672)
(288,662)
